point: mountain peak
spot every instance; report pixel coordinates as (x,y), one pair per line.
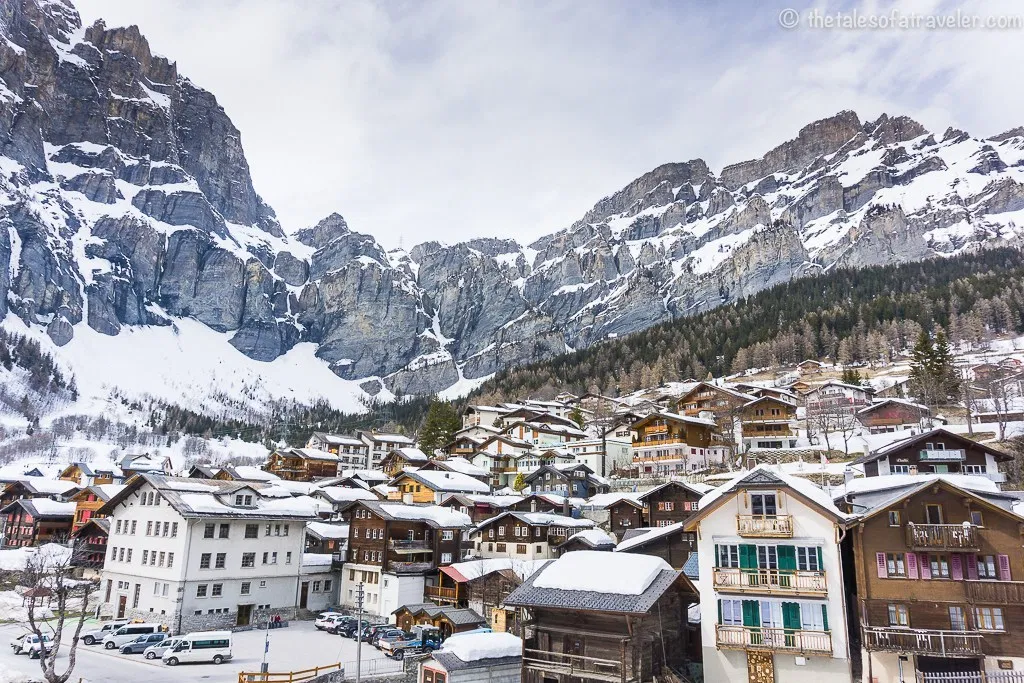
(323,233)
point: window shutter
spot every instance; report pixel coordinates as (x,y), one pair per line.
(926,570)
(718,563)
(972,567)
(821,565)
(824,616)
(956,567)
(719,609)
(1004,567)
(883,573)
(911,565)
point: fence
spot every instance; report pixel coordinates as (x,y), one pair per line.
(287,676)
(372,668)
(972,677)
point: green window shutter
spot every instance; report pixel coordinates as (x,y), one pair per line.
(787,557)
(824,616)
(719,611)
(791,616)
(748,556)
(821,565)
(717,563)
(751,613)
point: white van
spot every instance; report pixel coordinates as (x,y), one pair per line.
(202,646)
(128,633)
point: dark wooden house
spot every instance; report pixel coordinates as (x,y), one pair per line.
(449,620)
(936,451)
(625,514)
(892,414)
(671,502)
(35,521)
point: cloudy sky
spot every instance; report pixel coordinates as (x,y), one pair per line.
(452,119)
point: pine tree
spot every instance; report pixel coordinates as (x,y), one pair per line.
(440,424)
(520,483)
(576,415)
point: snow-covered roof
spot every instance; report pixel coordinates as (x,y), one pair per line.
(474,569)
(412,454)
(803,486)
(603,500)
(620,574)
(326,530)
(435,515)
(899,401)
(316,559)
(45,507)
(970,482)
(313,454)
(595,538)
(644,536)
(494,500)
(340,494)
(681,418)
(338,439)
(389,438)
(472,647)
(250,473)
(439,480)
(46,485)
(461,465)
(541,519)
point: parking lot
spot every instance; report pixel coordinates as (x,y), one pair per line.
(300,646)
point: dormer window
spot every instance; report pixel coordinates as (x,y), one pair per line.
(243,501)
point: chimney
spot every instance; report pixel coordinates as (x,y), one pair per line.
(565,506)
(847,476)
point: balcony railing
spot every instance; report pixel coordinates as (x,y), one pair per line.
(942,536)
(574,666)
(923,641)
(770,581)
(410,567)
(765,526)
(773,638)
(442,593)
(951,455)
(1000,592)
(404,546)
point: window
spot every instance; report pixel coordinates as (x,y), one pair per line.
(732,612)
(989,618)
(252,530)
(316,586)
(224,528)
(207,530)
(201,590)
(939,566)
(170,560)
(957,618)
(277,529)
(156,588)
(899,615)
(130,554)
(767,557)
(174,529)
(976,518)
(894,517)
(163,556)
(266,557)
(167,529)
(974,469)
(900,469)
(895,564)
(932,514)
(807,559)
(145,557)
(218,589)
(221,560)
(118,527)
(446,558)
(288,557)
(327,586)
(149,528)
(285,529)
(729,556)
(243,500)
(987,567)
(204,561)
(245,588)
(501,530)
(763,504)
(501,547)
(248,560)
(273,558)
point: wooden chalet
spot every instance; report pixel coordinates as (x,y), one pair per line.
(707,397)
(91,543)
(302,464)
(89,474)
(449,620)
(581,626)
(480,507)
(89,500)
(404,539)
(893,414)
(525,535)
(540,502)
(35,521)
(671,502)
(768,422)
(668,443)
(573,480)
(432,486)
(625,514)
(481,585)
(37,487)
(936,451)
(397,460)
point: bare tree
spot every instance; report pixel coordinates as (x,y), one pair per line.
(53,571)
(829,418)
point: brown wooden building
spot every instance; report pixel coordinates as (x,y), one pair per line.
(671,502)
(449,620)
(577,627)
(91,543)
(302,464)
(939,577)
(404,539)
(35,521)
(711,398)
(668,443)
(625,514)
(892,414)
(937,451)
(768,422)
(89,500)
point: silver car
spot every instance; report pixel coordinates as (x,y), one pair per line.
(157,651)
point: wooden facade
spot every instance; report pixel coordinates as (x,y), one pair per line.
(891,415)
(624,515)
(769,418)
(25,526)
(87,502)
(302,464)
(937,451)
(399,546)
(674,546)
(669,503)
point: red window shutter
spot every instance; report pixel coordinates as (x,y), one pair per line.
(883,573)
(926,570)
(911,565)
(956,567)
(972,567)
(1004,567)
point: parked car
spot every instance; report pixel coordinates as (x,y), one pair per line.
(339,624)
(130,632)
(28,644)
(349,628)
(202,646)
(95,635)
(371,633)
(157,651)
(422,639)
(140,644)
(325,621)
(390,636)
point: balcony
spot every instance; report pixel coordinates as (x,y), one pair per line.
(503,470)
(338,560)
(942,536)
(1001,592)
(442,593)
(951,455)
(765,526)
(773,638)
(923,641)
(656,429)
(408,547)
(574,666)
(768,581)
(411,567)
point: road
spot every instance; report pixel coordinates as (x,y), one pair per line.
(300,646)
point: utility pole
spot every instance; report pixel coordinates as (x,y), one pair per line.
(360,593)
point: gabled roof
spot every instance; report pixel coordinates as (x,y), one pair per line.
(42,508)
(44,486)
(456,464)
(444,482)
(538,519)
(898,401)
(697,490)
(676,418)
(101,524)
(389,438)
(409,454)
(309,454)
(930,435)
(643,536)
(902,494)
(738,395)
(339,439)
(592,538)
(435,516)
(326,530)
(770,399)
(837,383)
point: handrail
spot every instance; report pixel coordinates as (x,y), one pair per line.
(922,640)
(766,580)
(287,676)
(764,525)
(942,535)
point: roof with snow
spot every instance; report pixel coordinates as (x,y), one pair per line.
(42,508)
(626,583)
(604,500)
(593,538)
(310,454)
(445,482)
(695,489)
(325,530)
(472,650)
(434,515)
(410,454)
(539,519)
(381,437)
(641,537)
(44,485)
(925,437)
(344,494)
(494,500)
(676,417)
(898,401)
(339,439)
(870,503)
(456,464)
(474,569)
(249,473)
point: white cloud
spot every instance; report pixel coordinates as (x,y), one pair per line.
(450,120)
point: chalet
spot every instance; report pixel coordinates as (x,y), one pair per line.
(545,431)
(202,471)
(936,451)
(302,464)
(35,521)
(938,569)
(893,415)
(544,502)
(342,498)
(466,444)
(483,585)
(539,457)
(460,465)
(711,400)
(596,404)
(379,444)
(486,416)
(89,500)
(770,568)
(499,455)
(768,423)
(325,538)
(775,392)
(671,543)
(799,387)
(625,514)
(397,460)
(432,486)
(90,543)
(449,620)
(667,443)
(480,507)
(244,473)
(395,550)
(37,487)
(351,451)
(810,367)
(568,480)
(524,535)
(626,622)
(363,479)
(604,455)
(474,657)
(588,539)
(89,474)
(144,464)
(837,397)
(671,502)
(898,387)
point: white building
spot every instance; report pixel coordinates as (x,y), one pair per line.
(770,569)
(203,554)
(379,445)
(603,455)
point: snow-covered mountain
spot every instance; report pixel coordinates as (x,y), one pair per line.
(133,242)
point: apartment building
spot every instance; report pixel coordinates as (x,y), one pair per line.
(837,398)
(770,569)
(351,451)
(604,455)
(204,554)
(379,444)
(668,443)
(768,422)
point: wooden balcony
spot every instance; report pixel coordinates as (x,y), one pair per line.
(1000,592)
(552,664)
(773,638)
(951,455)
(411,567)
(922,641)
(442,593)
(765,526)
(769,581)
(656,429)
(404,546)
(942,537)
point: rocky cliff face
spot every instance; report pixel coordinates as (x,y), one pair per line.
(126,200)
